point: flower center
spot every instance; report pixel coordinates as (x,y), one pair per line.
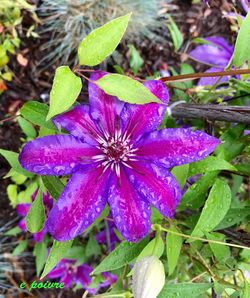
(117,150)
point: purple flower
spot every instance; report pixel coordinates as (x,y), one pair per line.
(108,236)
(69,273)
(246,5)
(216,54)
(117,156)
(23,209)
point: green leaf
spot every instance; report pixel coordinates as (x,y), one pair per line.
(233,216)
(184,290)
(126,89)
(122,255)
(175,33)
(221,252)
(26,195)
(36,216)
(77,253)
(241,50)
(173,243)
(20,247)
(154,248)
(58,251)
(102,42)
(54,185)
(40,252)
(36,113)
(65,90)
(246,290)
(12,194)
(13,232)
(215,209)
(195,196)
(12,158)
(181,174)
(211,163)
(136,60)
(92,247)
(26,127)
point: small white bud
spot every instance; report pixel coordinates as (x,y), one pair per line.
(148,278)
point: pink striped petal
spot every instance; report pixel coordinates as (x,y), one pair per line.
(81,202)
(79,124)
(156,185)
(140,119)
(56,155)
(104,108)
(130,211)
(176,146)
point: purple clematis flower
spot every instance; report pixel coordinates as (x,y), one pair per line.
(246,5)
(23,209)
(117,156)
(216,54)
(69,274)
(108,236)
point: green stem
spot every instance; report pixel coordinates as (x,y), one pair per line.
(202,239)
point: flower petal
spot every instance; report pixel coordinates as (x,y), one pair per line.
(58,271)
(81,202)
(22,225)
(23,209)
(67,279)
(176,146)
(246,5)
(141,119)
(83,275)
(219,53)
(131,213)
(212,80)
(221,42)
(38,237)
(156,185)
(56,155)
(104,108)
(78,123)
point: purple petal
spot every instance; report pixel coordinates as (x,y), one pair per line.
(140,119)
(58,271)
(212,80)
(109,279)
(48,201)
(81,202)
(176,146)
(83,275)
(222,43)
(156,185)
(104,108)
(78,123)
(38,237)
(56,155)
(215,54)
(22,225)
(131,213)
(246,5)
(23,209)
(67,279)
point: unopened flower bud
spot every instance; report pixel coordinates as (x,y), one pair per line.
(148,278)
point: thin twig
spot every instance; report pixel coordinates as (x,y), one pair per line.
(198,75)
(205,240)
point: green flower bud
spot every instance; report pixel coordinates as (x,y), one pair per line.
(148,278)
